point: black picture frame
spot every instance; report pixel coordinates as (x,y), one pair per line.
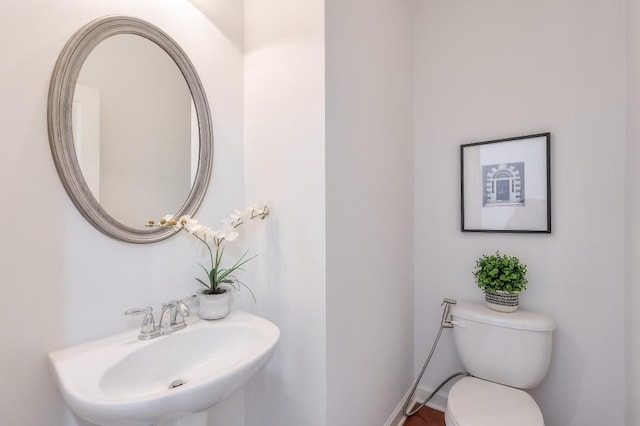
(505,185)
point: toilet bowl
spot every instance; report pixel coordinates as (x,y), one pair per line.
(504,353)
(477,402)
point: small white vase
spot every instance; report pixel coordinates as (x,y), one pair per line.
(502,301)
(214,306)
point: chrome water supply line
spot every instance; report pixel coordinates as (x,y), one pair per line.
(445,322)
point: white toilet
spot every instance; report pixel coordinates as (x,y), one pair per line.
(504,352)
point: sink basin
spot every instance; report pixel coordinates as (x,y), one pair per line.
(124,381)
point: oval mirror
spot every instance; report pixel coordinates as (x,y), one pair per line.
(129,127)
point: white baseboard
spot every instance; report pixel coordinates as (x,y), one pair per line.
(438,402)
(397,416)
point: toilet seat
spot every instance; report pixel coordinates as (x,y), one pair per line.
(477,402)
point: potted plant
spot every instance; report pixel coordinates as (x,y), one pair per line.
(215,297)
(502,278)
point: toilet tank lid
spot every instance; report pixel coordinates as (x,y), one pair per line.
(520,319)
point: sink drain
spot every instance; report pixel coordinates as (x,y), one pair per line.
(176,383)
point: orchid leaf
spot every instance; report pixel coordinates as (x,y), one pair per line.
(203,283)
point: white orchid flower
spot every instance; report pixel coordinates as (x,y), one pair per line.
(237,218)
(200,231)
(188,223)
(211,234)
(258,210)
(230,234)
(218,234)
(213,240)
(196,229)
(227,233)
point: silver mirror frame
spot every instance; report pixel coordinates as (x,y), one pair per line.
(61,91)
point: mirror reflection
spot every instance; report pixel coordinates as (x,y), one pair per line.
(135,129)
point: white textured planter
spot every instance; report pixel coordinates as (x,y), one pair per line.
(214,306)
(502,301)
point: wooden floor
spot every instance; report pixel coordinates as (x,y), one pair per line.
(426,417)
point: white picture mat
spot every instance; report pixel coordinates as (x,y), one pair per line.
(532,216)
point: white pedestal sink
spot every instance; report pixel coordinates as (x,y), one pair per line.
(167,381)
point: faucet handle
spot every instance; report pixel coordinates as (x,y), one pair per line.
(148,329)
(138,311)
(182,308)
(180,312)
(191,298)
(183,305)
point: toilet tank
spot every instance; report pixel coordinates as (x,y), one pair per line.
(513,349)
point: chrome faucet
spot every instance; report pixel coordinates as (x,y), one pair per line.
(172,318)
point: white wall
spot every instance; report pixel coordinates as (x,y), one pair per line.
(632,246)
(285,166)
(65,282)
(498,68)
(369,174)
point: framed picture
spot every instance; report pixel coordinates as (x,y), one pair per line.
(505,185)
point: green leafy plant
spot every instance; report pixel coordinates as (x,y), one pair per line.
(499,272)
(218,277)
